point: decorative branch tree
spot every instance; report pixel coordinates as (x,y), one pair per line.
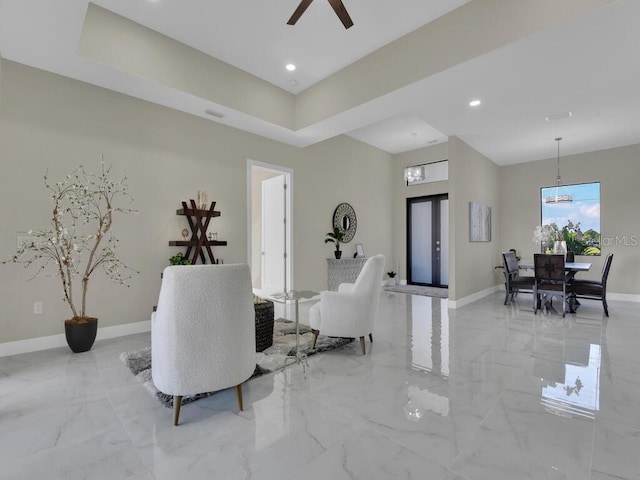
(80,238)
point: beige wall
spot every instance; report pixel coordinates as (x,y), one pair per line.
(342,170)
(618,171)
(127,46)
(472,178)
(50,122)
(401,192)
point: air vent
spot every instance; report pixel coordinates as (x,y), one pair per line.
(213,113)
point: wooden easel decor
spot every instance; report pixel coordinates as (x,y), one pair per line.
(198,244)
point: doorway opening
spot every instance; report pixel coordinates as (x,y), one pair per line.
(269,227)
(428,241)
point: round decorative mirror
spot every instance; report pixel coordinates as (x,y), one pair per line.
(344,218)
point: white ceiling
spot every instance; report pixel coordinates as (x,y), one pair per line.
(589,65)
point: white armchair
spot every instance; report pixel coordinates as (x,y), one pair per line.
(351,311)
(203,331)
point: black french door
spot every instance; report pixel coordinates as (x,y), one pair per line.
(428,240)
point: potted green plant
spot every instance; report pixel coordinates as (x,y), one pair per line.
(78,242)
(335,237)
(392,278)
(179,259)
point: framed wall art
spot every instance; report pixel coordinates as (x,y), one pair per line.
(479,222)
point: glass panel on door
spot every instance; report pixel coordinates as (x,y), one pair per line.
(421,257)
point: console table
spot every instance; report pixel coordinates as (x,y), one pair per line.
(345,270)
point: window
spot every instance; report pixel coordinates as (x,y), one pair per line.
(572,213)
(427,173)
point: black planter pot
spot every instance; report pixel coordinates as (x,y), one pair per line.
(80,336)
(338,254)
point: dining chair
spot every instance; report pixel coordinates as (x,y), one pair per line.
(571,257)
(514,282)
(593,289)
(550,281)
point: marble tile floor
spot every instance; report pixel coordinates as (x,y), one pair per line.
(480,393)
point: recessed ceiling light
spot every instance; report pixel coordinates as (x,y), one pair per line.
(291,67)
(558,116)
(474,103)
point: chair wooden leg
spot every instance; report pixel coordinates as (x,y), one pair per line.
(239,395)
(371,337)
(605,306)
(364,352)
(315,338)
(177,403)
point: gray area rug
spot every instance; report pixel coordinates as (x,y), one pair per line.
(419,290)
(269,360)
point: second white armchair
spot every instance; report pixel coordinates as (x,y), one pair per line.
(351,311)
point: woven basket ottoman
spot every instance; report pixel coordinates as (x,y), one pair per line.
(264,323)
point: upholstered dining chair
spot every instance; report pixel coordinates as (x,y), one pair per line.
(203,331)
(351,311)
(514,282)
(593,289)
(550,281)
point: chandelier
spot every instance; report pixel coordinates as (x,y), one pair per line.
(560,193)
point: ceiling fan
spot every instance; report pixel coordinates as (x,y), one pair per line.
(337,5)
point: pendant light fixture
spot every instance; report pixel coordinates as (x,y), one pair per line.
(561,193)
(416,173)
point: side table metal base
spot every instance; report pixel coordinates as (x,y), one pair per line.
(300,358)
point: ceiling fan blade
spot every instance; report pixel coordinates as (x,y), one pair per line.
(342,13)
(299,11)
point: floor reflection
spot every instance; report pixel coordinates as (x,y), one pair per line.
(429,330)
(568,358)
(421,401)
(579,394)
(272,415)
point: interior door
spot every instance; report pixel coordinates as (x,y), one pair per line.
(428,241)
(273,235)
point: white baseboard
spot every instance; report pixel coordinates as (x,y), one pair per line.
(623,297)
(461,302)
(55,341)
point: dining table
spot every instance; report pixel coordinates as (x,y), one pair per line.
(572,268)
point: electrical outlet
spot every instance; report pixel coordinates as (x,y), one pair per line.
(38,308)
